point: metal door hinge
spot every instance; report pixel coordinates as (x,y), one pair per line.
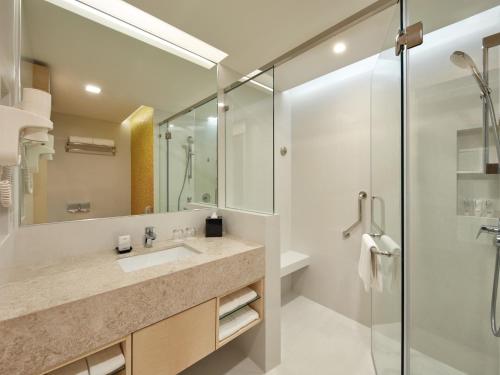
(410,37)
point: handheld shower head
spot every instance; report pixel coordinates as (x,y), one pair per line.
(464,61)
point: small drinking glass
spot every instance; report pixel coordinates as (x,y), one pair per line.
(478,207)
(489,207)
(177,235)
(190,232)
(467,206)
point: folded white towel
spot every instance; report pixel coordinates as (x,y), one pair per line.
(106,361)
(75,368)
(236,321)
(103,142)
(75,139)
(390,265)
(236,299)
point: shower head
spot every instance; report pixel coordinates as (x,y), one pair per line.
(190,140)
(464,61)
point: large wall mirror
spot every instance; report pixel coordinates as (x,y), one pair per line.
(135,127)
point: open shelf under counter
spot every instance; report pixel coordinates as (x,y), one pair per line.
(126,349)
(256,303)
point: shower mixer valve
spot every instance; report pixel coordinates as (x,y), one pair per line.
(490,229)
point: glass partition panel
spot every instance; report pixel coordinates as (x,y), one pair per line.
(386,204)
(249,145)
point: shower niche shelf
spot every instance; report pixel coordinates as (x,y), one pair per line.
(477,183)
(471,154)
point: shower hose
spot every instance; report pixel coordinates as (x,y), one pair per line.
(494,328)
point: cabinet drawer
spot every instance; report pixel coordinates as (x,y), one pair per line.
(172,345)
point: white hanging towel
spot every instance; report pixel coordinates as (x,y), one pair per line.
(366,258)
(389,266)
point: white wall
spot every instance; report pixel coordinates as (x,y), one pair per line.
(104,181)
(263,344)
(330,127)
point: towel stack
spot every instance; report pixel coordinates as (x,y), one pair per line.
(236,321)
(237,299)
(105,362)
(92,141)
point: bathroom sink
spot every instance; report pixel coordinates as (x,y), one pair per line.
(140,262)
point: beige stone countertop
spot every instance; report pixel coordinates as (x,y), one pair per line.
(52,314)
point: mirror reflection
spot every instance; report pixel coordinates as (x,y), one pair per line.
(135,127)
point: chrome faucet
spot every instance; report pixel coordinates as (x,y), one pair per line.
(149,236)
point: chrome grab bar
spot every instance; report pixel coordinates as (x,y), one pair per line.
(361,196)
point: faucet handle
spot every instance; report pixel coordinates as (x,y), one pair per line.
(150,231)
(490,229)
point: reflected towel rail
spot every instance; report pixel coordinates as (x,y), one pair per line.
(361,196)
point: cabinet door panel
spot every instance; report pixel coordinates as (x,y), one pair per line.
(172,345)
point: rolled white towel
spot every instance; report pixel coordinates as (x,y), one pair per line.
(234,300)
(236,321)
(75,368)
(76,139)
(106,361)
(103,142)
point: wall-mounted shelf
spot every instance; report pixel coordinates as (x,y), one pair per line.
(12,121)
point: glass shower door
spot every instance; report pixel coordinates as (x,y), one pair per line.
(451,270)
(386,203)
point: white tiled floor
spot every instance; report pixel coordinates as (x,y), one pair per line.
(315,341)
(319,341)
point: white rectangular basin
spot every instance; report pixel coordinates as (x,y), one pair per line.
(140,262)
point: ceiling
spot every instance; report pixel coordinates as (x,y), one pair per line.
(252,33)
(133,74)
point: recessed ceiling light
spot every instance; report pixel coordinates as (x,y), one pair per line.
(93,89)
(127,19)
(339,48)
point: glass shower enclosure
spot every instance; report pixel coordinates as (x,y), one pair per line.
(187,158)
(436,191)
(453,188)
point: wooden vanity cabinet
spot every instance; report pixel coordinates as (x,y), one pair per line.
(174,344)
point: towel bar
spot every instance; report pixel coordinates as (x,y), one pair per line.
(361,196)
(381,252)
